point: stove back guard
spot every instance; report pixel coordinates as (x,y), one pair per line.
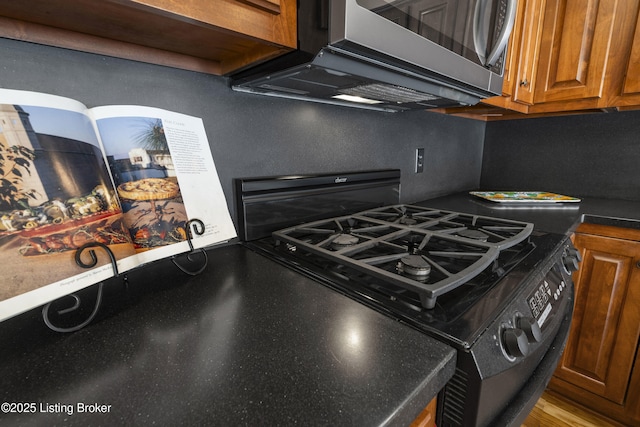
(267,204)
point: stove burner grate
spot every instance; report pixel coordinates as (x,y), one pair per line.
(450,260)
(502,233)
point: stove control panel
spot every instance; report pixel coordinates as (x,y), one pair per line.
(526,328)
(539,300)
(544,297)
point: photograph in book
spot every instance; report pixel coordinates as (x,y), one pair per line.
(55,196)
(145,178)
(128,177)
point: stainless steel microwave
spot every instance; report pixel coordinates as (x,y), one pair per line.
(391,55)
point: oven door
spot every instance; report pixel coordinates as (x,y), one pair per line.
(465,37)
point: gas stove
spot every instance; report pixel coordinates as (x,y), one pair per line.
(496,289)
(425,251)
(435,270)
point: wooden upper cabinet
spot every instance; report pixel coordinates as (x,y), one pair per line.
(213,36)
(573,55)
(630,92)
(632,77)
(269,5)
(525,51)
(575,45)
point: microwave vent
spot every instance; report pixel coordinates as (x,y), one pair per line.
(388,93)
(284,89)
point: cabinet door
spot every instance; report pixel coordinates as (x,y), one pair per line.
(632,77)
(603,341)
(576,39)
(427,417)
(272,6)
(245,17)
(623,76)
(522,58)
(528,50)
(212,36)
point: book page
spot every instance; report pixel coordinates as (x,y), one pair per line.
(56,194)
(165,175)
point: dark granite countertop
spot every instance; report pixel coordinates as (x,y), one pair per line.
(247,342)
(559,218)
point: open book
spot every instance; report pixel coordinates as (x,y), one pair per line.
(129,177)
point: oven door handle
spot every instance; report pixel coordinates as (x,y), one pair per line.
(479,24)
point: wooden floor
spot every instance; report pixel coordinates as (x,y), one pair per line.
(551,411)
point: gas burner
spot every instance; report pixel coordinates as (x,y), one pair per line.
(414,265)
(343,240)
(474,234)
(407,220)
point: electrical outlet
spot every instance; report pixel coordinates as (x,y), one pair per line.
(419,160)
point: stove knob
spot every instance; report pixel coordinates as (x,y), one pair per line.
(515,342)
(531,328)
(571,259)
(570,264)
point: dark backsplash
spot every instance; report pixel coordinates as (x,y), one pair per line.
(253,135)
(595,155)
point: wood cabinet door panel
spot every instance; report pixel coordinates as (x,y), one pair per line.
(427,417)
(632,77)
(513,50)
(272,6)
(250,18)
(213,36)
(576,39)
(524,85)
(604,335)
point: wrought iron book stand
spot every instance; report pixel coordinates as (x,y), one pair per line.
(191,256)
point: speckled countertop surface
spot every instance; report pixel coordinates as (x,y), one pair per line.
(247,342)
(559,218)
